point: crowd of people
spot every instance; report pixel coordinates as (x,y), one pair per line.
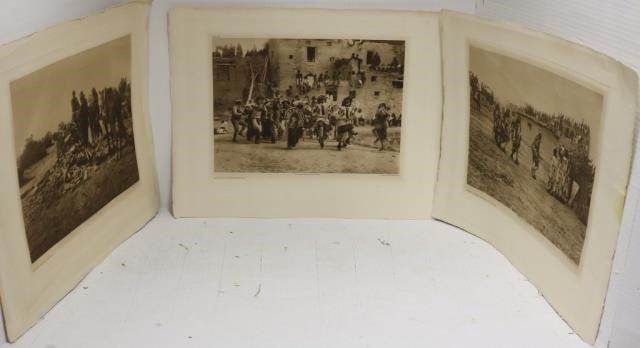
(307,82)
(559,124)
(565,168)
(95,133)
(560,182)
(576,132)
(317,117)
(352,72)
(507,126)
(101,114)
(569,164)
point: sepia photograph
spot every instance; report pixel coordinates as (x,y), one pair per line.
(74,142)
(532,141)
(307,105)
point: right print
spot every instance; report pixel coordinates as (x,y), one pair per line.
(533,136)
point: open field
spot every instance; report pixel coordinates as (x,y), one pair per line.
(47,221)
(491,171)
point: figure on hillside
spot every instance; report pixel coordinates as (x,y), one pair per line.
(83,120)
(516,137)
(94,116)
(535,154)
(75,108)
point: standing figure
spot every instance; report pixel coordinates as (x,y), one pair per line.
(116,121)
(121,113)
(255,121)
(516,137)
(567,180)
(283,109)
(275,114)
(347,102)
(497,124)
(75,108)
(83,120)
(552,180)
(105,97)
(359,117)
(505,129)
(124,87)
(236,118)
(267,124)
(299,81)
(344,129)
(322,128)
(113,128)
(101,114)
(381,125)
(94,116)
(294,126)
(535,154)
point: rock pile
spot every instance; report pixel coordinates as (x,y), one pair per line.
(74,164)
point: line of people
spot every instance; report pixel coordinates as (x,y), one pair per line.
(560,182)
(507,128)
(568,168)
(102,114)
(305,83)
(577,132)
(316,118)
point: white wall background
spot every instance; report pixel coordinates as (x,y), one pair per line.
(612,27)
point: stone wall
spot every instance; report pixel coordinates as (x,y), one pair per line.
(234,85)
(287,56)
(225,91)
(367,98)
(290,55)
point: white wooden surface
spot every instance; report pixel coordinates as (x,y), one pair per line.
(612,27)
(324,283)
(280,283)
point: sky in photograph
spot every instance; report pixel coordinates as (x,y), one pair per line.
(247,44)
(42,99)
(517,82)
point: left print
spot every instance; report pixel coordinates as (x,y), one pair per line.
(74,142)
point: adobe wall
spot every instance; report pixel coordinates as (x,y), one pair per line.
(289,56)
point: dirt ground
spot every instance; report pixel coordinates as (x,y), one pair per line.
(48,222)
(307,157)
(36,172)
(494,173)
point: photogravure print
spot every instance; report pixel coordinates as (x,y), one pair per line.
(307,105)
(74,141)
(532,139)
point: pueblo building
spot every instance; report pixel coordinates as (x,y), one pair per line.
(378,66)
